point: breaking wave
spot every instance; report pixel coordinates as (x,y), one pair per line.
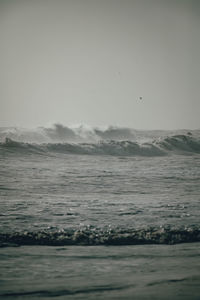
(179,144)
(59,133)
(94,236)
(98,141)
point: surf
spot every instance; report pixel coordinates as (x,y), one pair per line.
(95,237)
(177,144)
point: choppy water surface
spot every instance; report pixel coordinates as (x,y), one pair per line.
(70,187)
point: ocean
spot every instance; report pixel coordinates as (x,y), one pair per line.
(99,213)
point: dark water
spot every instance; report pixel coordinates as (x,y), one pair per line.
(100,272)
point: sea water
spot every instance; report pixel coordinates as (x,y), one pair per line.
(106,213)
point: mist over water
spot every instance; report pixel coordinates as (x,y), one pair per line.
(61,133)
(85,133)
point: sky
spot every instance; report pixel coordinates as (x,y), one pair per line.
(90,61)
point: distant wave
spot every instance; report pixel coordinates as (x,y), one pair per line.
(94,236)
(161,146)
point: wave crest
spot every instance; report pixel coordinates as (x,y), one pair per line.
(59,133)
(182,143)
(98,141)
(178,144)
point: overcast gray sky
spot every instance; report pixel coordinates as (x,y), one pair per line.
(89,61)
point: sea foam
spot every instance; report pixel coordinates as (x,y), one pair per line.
(95,236)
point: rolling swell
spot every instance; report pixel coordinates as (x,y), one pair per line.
(185,143)
(94,236)
(178,144)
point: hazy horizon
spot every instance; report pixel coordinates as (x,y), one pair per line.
(89,62)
